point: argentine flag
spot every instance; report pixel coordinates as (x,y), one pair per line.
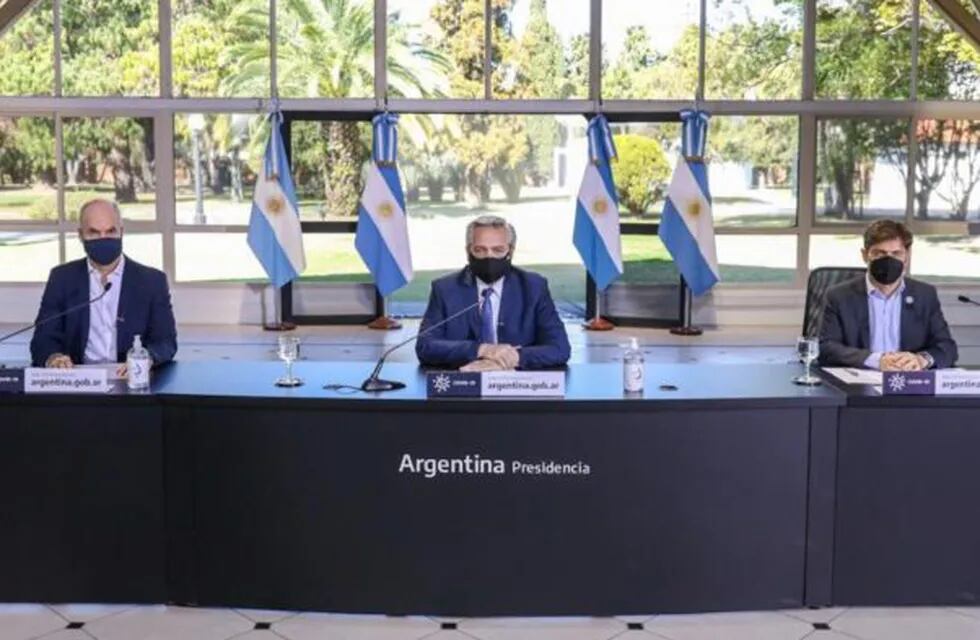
(596,233)
(274,232)
(687,226)
(382,225)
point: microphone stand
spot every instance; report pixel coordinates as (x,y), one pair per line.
(374,383)
(967,300)
(108,286)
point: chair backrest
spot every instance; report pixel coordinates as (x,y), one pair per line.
(820,281)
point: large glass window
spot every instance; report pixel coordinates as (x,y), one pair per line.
(216,256)
(220,48)
(27,53)
(325,49)
(949,66)
(328,159)
(110,158)
(941,259)
(862,167)
(756,259)
(753,49)
(864,49)
(532,49)
(27,256)
(947,170)
(435,49)
(28,178)
(649,52)
(110,48)
(216,160)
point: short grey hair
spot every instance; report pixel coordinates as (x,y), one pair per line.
(494,222)
(94,201)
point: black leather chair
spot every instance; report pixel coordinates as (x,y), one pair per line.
(817,285)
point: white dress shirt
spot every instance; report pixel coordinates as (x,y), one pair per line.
(103,315)
(498,288)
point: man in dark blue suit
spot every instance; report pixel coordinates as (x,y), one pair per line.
(136,303)
(514,323)
(883,319)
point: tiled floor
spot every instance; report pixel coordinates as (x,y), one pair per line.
(116,622)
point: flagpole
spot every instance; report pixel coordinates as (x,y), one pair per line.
(686,328)
(598,323)
(384,322)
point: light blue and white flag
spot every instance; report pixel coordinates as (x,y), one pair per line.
(382,225)
(274,232)
(596,233)
(687,225)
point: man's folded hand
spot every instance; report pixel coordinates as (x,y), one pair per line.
(505,355)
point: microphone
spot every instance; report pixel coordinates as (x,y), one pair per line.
(373,383)
(967,300)
(61,314)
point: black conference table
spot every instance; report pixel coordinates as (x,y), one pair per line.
(907,527)
(220,489)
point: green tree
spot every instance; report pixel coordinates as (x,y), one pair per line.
(635,60)
(542,73)
(487,147)
(641,172)
(27,54)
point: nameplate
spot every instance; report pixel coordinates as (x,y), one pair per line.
(944,382)
(11,381)
(41,380)
(496,384)
(908,383)
(952,382)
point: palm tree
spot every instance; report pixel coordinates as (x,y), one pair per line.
(325,49)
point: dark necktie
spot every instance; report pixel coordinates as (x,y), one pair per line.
(486,318)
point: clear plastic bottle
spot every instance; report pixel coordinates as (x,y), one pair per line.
(138,363)
(633,368)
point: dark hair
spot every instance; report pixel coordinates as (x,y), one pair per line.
(885,230)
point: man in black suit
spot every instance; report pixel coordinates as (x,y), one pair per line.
(884,320)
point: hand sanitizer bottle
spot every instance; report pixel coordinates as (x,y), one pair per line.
(633,368)
(138,363)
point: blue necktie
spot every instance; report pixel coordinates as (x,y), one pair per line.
(486,318)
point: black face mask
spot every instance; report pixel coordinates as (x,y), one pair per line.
(886,270)
(489,269)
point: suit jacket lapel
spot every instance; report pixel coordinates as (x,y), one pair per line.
(467,283)
(83,317)
(907,319)
(129,283)
(864,324)
(510,306)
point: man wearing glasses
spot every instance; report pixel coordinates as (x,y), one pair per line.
(513,323)
(885,320)
(128,299)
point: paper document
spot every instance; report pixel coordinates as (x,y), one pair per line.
(852,375)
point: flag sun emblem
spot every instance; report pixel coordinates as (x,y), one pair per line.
(386,209)
(441,383)
(694,208)
(275,204)
(600,206)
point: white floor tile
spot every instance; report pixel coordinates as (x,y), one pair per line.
(22,621)
(973,612)
(730,626)
(170,623)
(815,615)
(266,615)
(66,634)
(252,635)
(324,626)
(542,628)
(909,623)
(89,612)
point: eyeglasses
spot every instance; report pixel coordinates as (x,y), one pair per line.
(490,252)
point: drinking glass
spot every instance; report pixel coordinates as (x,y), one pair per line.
(808,350)
(288,353)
